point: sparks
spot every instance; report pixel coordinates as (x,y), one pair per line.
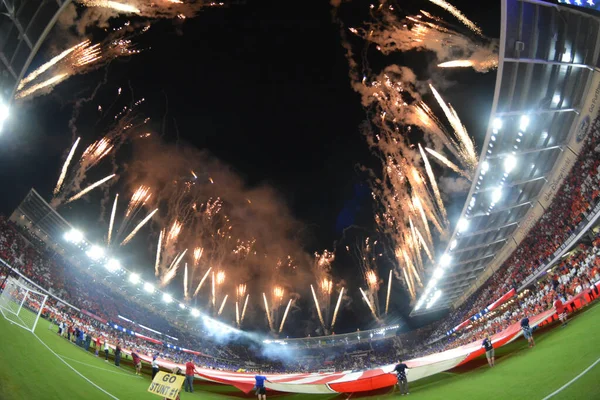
(222,305)
(158,250)
(125,8)
(112,219)
(337,307)
(65,167)
(434,186)
(185,282)
(458,15)
(138,227)
(90,188)
(285,315)
(447,163)
(389,289)
(201,282)
(268,312)
(369,304)
(198,251)
(34,88)
(318,306)
(244,308)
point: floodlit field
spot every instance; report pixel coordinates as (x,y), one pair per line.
(30,370)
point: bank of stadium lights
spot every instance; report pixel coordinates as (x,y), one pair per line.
(510,162)
(445,260)
(453,244)
(148,287)
(463,225)
(496,195)
(113,265)
(95,252)
(436,296)
(134,278)
(195,312)
(167,298)
(523,123)
(182,306)
(74,236)
(4,113)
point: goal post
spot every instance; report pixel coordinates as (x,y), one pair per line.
(21,304)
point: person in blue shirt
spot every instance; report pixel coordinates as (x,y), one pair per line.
(261,390)
(489,350)
(400,371)
(527,332)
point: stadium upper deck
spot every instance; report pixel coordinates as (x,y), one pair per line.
(546,94)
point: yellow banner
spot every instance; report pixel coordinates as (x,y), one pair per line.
(166,385)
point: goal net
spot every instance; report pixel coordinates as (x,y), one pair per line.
(20,304)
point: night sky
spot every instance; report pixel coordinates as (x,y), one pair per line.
(264,87)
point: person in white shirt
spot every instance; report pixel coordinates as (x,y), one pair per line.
(106,347)
(155,368)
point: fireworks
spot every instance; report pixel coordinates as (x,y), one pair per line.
(241,290)
(172,271)
(65,167)
(138,227)
(483,63)
(220,277)
(34,88)
(448,163)
(389,289)
(46,66)
(434,186)
(174,231)
(278,292)
(90,188)
(138,199)
(222,305)
(121,7)
(372,280)
(287,309)
(369,304)
(185,282)
(456,64)
(326,286)
(198,254)
(268,312)
(158,250)
(458,15)
(337,307)
(318,306)
(201,282)
(112,219)
(95,152)
(244,308)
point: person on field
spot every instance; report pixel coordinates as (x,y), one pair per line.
(106,347)
(527,332)
(560,309)
(155,368)
(118,354)
(400,371)
(98,346)
(261,390)
(190,369)
(137,362)
(489,350)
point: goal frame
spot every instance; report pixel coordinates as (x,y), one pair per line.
(28,290)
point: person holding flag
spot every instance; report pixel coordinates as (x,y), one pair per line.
(137,362)
(190,371)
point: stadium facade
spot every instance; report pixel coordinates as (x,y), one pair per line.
(546,96)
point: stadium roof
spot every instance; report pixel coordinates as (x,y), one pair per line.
(548,56)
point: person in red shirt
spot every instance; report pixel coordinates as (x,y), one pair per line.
(189,376)
(560,310)
(137,362)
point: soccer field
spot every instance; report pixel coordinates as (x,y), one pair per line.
(30,370)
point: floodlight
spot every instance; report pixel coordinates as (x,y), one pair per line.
(134,278)
(463,225)
(167,298)
(95,253)
(112,265)
(510,162)
(556,98)
(445,260)
(435,297)
(472,202)
(182,306)
(195,312)
(496,195)
(74,236)
(438,273)
(523,123)
(485,166)
(497,124)
(4,112)
(148,287)
(453,244)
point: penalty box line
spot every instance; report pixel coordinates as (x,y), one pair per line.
(566,385)
(74,370)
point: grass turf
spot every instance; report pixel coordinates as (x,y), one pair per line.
(28,370)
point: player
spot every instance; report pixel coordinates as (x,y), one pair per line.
(489,350)
(527,331)
(261,390)
(400,370)
(560,310)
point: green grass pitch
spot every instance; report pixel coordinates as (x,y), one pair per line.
(29,370)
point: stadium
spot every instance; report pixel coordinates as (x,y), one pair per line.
(77,322)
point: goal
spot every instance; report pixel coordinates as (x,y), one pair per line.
(20,304)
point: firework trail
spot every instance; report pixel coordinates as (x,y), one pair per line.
(237,314)
(337,307)
(318,307)
(138,227)
(222,304)
(267,311)
(202,281)
(170,274)
(174,232)
(90,188)
(198,255)
(44,67)
(65,167)
(185,282)
(244,308)
(120,7)
(389,289)
(322,272)
(214,297)
(456,64)
(464,140)
(139,198)
(434,186)
(448,163)
(458,15)
(158,250)
(369,304)
(112,219)
(285,315)
(47,83)
(409,284)
(479,65)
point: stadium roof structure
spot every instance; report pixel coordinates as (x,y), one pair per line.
(548,59)
(24,25)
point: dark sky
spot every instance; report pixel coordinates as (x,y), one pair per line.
(264,86)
